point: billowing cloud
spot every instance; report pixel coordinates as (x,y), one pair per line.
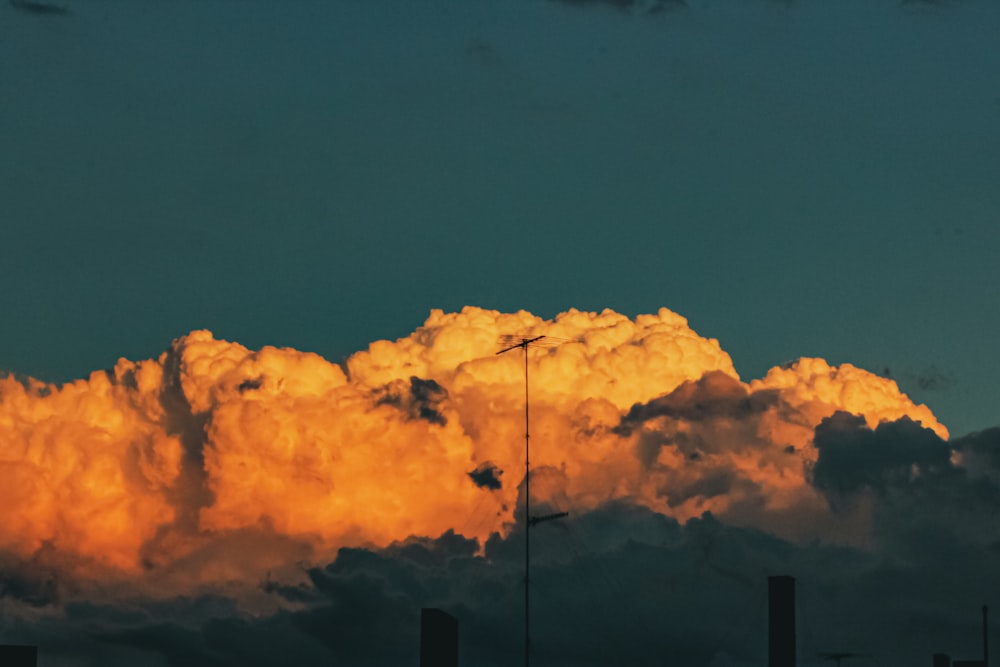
(319,502)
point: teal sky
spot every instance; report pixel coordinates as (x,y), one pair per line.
(803,178)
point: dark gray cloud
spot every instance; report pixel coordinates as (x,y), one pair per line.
(487,476)
(622,5)
(35,582)
(29,587)
(620,585)
(427,397)
(646,6)
(701,419)
(250,385)
(980,451)
(482,51)
(929,3)
(933,379)
(422,399)
(853,457)
(36,8)
(929,379)
(175,645)
(718,482)
(928,501)
(715,395)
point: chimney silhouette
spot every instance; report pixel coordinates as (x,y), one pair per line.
(781,621)
(438,639)
(18,656)
(986,647)
(986,636)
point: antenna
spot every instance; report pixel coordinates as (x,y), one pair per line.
(513,343)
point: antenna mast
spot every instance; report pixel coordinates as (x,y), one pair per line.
(523,342)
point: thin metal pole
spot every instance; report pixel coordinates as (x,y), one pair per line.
(525,344)
(527,513)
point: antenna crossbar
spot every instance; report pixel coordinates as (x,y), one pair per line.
(524,343)
(535,520)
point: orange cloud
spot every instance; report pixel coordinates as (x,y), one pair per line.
(141,466)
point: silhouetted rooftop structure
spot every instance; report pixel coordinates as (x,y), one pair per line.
(944,660)
(18,656)
(438,639)
(781,621)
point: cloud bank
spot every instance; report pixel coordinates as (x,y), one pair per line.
(178,508)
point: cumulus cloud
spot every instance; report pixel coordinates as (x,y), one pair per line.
(200,500)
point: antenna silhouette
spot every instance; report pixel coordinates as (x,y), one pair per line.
(513,343)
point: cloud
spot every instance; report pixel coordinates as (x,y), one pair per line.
(194,504)
(419,401)
(622,5)
(487,476)
(853,457)
(148,464)
(933,379)
(924,499)
(481,51)
(714,395)
(927,3)
(619,585)
(30,586)
(36,8)
(646,6)
(927,380)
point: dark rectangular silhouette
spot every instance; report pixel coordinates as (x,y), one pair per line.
(19,656)
(781,621)
(942,660)
(438,639)
(986,636)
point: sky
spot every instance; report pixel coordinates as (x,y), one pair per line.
(788,179)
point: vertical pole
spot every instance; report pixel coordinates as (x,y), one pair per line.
(527,511)
(524,344)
